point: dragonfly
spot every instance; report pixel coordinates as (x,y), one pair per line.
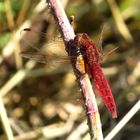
(92,58)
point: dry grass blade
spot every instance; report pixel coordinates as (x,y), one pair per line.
(119,21)
(10,16)
(124,120)
(5,121)
(23,12)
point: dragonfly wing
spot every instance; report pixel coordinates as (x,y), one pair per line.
(45,58)
(34,56)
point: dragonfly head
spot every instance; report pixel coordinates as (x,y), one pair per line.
(83,40)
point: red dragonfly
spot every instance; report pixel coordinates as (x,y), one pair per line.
(92,59)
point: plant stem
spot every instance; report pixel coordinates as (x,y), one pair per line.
(82,79)
(5,121)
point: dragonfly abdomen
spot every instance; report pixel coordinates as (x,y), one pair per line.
(103,88)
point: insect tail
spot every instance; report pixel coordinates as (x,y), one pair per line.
(103,88)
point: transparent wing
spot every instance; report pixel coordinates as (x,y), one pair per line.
(53,49)
(44,58)
(34,56)
(51,53)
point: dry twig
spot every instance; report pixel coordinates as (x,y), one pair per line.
(83,80)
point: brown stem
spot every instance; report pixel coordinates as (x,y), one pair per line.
(82,79)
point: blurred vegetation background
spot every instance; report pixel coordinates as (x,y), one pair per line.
(43,101)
